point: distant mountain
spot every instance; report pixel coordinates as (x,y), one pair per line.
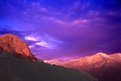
(13,44)
(102,66)
(96,61)
(15,69)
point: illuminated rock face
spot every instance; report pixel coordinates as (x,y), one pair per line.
(97,61)
(103,66)
(13,44)
(92,62)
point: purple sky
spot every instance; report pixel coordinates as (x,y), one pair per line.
(64,28)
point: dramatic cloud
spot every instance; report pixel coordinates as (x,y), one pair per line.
(60,28)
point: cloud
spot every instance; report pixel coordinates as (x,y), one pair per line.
(38,7)
(43,41)
(64,28)
(21,34)
(30,38)
(31,46)
(46,45)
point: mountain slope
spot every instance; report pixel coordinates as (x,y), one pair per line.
(15,69)
(97,61)
(104,67)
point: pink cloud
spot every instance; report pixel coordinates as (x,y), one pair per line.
(79,21)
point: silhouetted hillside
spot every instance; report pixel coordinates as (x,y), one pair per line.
(112,73)
(15,69)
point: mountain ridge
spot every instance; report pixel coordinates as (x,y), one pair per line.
(104,67)
(92,58)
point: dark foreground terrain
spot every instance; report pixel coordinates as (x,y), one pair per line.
(16,69)
(112,73)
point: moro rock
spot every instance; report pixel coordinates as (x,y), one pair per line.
(14,45)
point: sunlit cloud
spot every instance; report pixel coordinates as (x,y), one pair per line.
(31,46)
(30,38)
(46,45)
(79,21)
(43,41)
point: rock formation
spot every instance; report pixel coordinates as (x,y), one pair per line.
(13,44)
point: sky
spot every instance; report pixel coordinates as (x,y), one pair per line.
(64,28)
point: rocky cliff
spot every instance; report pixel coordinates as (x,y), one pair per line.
(13,44)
